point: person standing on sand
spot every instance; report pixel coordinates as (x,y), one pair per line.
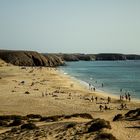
(70,97)
(122,106)
(96,98)
(92,99)
(42,94)
(129,98)
(126,97)
(122,97)
(125,106)
(108,100)
(106,107)
(89,86)
(46,93)
(101,107)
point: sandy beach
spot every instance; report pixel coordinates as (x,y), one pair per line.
(47,91)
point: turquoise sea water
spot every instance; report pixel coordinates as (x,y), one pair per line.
(115,75)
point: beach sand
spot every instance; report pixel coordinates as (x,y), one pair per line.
(48,92)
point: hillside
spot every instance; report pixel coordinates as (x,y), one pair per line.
(29,58)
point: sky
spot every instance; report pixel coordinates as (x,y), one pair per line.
(70,26)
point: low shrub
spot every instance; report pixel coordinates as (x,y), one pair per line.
(16,122)
(118,117)
(105,136)
(70,125)
(11,117)
(14,129)
(98,124)
(52,118)
(81,115)
(29,126)
(3,123)
(34,116)
(133,113)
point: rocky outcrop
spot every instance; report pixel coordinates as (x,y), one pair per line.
(86,57)
(29,58)
(69,57)
(131,115)
(76,57)
(54,60)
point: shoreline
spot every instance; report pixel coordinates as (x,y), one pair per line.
(99,92)
(115,77)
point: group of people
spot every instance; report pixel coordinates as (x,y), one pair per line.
(91,87)
(127,96)
(105,107)
(123,106)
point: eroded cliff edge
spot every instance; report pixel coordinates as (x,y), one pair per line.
(30,58)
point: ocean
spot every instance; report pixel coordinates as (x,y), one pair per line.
(115,75)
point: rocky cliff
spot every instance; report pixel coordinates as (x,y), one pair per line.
(54,60)
(91,57)
(29,58)
(98,57)
(76,57)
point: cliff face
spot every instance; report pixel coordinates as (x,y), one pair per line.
(54,60)
(85,57)
(98,57)
(76,57)
(31,58)
(91,57)
(28,58)
(69,57)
